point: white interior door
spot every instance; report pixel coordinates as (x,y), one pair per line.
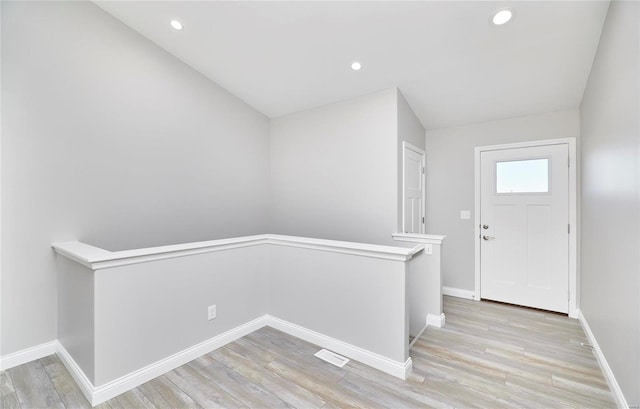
(524,222)
(413,190)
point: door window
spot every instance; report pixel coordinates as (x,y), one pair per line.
(522,176)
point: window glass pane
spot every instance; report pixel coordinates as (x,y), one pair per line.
(523,176)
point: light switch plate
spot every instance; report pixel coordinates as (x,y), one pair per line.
(465,214)
(428,249)
(212,312)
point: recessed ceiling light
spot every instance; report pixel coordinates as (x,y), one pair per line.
(502,17)
(176,24)
(356,66)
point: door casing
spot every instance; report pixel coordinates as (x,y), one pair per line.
(406,145)
(573,233)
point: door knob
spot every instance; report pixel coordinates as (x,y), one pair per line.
(485,226)
(485,237)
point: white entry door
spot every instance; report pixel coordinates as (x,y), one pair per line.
(413,189)
(524,222)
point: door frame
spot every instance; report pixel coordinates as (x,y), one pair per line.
(573,209)
(406,145)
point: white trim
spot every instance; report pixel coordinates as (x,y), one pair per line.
(1,315)
(102,393)
(419,238)
(459,293)
(604,365)
(96,258)
(476,224)
(398,369)
(573,235)
(415,339)
(345,247)
(434,320)
(85,385)
(96,395)
(573,220)
(27,355)
(529,144)
(406,145)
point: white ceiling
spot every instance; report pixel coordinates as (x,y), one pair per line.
(451,64)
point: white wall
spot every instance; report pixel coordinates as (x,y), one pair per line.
(450,180)
(110,140)
(424,289)
(1,206)
(610,149)
(139,313)
(76,313)
(334,171)
(146,312)
(358,300)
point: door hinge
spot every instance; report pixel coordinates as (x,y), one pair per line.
(422,220)
(569,161)
(568,229)
(423,170)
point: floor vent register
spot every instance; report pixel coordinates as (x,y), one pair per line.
(332,358)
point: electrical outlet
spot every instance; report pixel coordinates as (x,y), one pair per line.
(465,214)
(211,312)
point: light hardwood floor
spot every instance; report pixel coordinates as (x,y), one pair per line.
(489,355)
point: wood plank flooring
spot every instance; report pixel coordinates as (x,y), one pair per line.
(488,355)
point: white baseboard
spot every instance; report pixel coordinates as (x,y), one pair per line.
(458,292)
(96,395)
(78,375)
(102,393)
(435,320)
(417,337)
(27,355)
(606,369)
(398,369)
